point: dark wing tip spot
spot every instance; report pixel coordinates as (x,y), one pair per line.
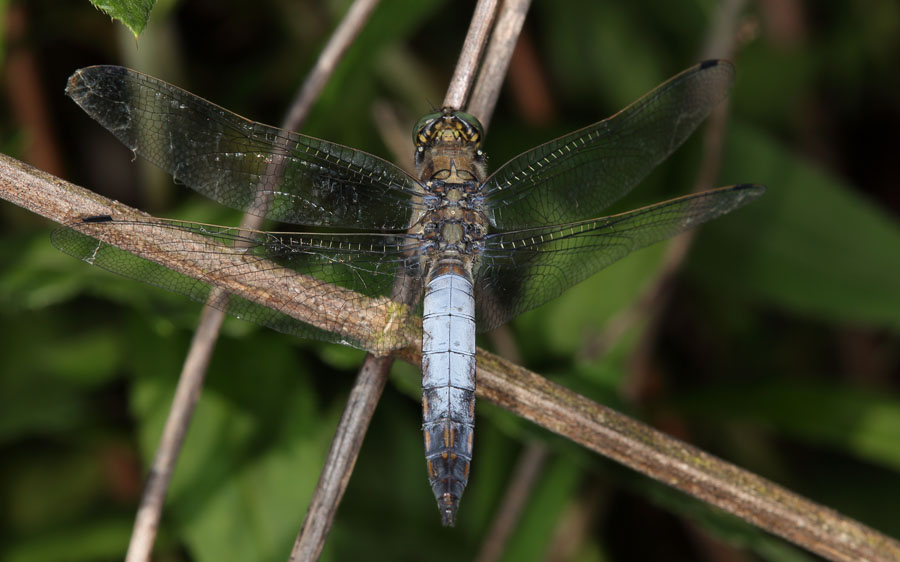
(709,63)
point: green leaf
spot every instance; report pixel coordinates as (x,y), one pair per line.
(811,244)
(133,13)
(49,365)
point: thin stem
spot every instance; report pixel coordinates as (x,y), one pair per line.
(529,466)
(496,60)
(470,57)
(341,458)
(723,41)
(353,22)
(193,372)
(187,393)
(596,427)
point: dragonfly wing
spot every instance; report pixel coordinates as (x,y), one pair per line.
(246,165)
(340,284)
(577,175)
(523,269)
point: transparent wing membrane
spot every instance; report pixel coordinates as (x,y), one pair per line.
(525,268)
(578,175)
(245,165)
(333,278)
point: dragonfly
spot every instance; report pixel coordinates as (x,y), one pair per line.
(457,249)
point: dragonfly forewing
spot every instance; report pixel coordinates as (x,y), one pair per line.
(578,175)
(243,164)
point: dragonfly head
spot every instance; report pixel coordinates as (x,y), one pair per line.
(448,125)
(447,132)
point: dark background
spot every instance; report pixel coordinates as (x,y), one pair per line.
(777,348)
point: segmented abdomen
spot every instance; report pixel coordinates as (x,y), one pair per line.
(448,387)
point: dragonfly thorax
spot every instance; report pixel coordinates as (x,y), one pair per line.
(451,170)
(453,229)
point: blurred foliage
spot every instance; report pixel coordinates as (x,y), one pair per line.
(777,348)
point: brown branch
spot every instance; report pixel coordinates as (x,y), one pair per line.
(528,469)
(564,412)
(470,57)
(496,60)
(341,458)
(265,283)
(346,32)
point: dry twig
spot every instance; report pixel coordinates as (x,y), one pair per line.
(472,52)
(341,458)
(496,60)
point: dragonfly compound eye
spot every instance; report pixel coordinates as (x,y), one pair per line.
(469,126)
(424,128)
